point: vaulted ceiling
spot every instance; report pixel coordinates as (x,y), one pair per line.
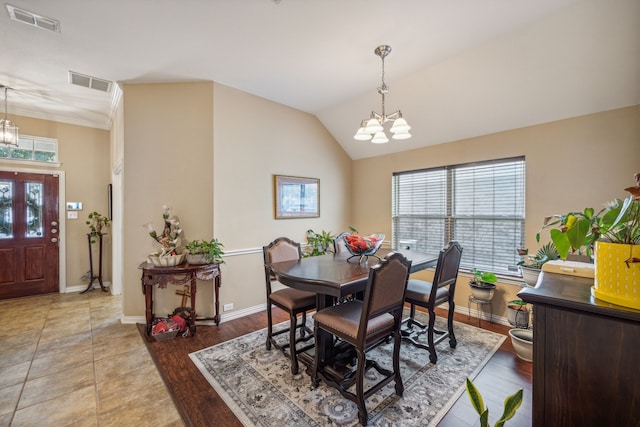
(458,68)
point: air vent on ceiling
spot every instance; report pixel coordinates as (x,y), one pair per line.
(89,82)
(33,19)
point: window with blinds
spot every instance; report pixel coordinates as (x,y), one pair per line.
(481,205)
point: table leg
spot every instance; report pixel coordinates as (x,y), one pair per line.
(216,298)
(148,301)
(193,303)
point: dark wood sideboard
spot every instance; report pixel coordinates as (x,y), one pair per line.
(586,356)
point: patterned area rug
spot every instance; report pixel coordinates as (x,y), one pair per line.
(258,386)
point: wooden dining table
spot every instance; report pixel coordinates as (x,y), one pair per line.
(332,277)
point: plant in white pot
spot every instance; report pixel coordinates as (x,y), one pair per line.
(531,266)
(483,285)
(204,252)
(614,235)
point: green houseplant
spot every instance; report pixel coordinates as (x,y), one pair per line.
(204,252)
(613,234)
(320,242)
(531,266)
(483,284)
(96,223)
(511,405)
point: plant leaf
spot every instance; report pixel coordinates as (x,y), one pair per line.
(484,418)
(561,242)
(511,405)
(475,397)
(577,233)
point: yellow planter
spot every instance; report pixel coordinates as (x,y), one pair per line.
(614,281)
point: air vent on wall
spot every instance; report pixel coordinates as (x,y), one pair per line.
(89,82)
(33,19)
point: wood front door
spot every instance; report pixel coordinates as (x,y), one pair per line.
(29,234)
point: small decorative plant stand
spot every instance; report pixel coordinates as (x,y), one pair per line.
(93,278)
(480,303)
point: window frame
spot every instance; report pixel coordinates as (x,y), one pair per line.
(33,140)
(440,184)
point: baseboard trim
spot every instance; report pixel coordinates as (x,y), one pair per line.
(80,288)
(483,315)
(223,317)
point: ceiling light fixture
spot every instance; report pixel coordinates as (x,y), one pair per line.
(372,129)
(8,130)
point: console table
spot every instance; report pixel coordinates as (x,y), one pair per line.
(179,275)
(585,356)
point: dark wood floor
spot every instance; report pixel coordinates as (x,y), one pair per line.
(199,405)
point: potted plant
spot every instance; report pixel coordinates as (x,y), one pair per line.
(319,242)
(483,285)
(96,223)
(614,234)
(518,313)
(203,252)
(531,266)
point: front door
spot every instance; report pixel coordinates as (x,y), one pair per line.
(29,234)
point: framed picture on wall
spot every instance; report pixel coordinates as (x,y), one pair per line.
(296,197)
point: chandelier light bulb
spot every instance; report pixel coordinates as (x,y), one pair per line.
(400,125)
(379,138)
(362,134)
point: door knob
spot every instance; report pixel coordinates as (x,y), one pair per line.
(54,223)
(54,231)
(54,240)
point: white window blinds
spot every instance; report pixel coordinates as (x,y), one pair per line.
(481,205)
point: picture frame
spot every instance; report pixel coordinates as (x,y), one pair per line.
(296,197)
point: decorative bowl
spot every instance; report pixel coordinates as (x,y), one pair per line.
(522,340)
(166,261)
(197,259)
(363,246)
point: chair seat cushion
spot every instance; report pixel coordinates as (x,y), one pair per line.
(345,318)
(293,299)
(419,291)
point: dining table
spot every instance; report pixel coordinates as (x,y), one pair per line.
(333,277)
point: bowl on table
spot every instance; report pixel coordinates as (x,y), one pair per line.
(363,247)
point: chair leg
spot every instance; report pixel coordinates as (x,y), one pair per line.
(362,409)
(292,344)
(397,339)
(315,379)
(452,337)
(432,348)
(269,325)
(303,325)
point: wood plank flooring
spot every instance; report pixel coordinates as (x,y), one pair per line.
(199,405)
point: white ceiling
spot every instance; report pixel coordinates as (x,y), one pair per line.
(459,68)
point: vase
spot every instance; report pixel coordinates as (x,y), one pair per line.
(482,291)
(197,259)
(530,275)
(617,279)
(522,340)
(166,261)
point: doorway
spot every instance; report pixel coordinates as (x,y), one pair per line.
(29,234)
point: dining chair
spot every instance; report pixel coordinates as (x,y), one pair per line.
(365,324)
(430,295)
(339,245)
(293,301)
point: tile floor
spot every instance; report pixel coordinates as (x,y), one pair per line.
(66,360)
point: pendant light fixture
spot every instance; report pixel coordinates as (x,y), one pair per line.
(8,130)
(373,128)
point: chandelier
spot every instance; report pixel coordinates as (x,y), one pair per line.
(8,130)
(373,128)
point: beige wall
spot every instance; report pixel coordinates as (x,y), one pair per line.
(254,139)
(571,164)
(210,151)
(84,154)
(168,156)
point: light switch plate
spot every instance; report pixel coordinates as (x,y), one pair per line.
(72,215)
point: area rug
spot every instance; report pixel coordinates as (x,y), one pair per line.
(261,391)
